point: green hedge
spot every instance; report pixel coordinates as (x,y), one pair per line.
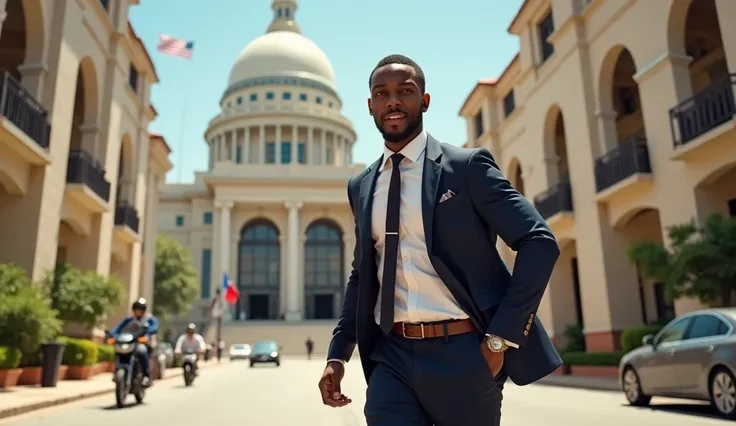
(592,359)
(9,358)
(79,352)
(106,353)
(631,338)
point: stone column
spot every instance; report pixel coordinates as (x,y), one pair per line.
(211,154)
(246,145)
(233,146)
(149,236)
(310,145)
(261,144)
(225,207)
(277,140)
(293,308)
(323,148)
(294,144)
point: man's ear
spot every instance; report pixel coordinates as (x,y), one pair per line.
(370,110)
(425,102)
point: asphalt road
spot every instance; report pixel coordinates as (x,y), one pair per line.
(288,396)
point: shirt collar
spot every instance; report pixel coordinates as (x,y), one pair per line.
(412,151)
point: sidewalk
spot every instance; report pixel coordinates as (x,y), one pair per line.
(581,382)
(23,399)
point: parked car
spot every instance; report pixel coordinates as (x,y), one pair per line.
(266,352)
(239,351)
(167,349)
(691,357)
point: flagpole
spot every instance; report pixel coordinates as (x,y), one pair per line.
(182,124)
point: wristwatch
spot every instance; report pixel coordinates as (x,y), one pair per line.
(496,344)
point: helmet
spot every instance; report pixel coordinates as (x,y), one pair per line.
(191,327)
(140,304)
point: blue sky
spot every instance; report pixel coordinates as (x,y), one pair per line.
(455,45)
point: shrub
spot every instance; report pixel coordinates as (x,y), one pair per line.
(27,321)
(575,338)
(631,338)
(80,352)
(9,358)
(106,353)
(82,297)
(592,358)
(12,279)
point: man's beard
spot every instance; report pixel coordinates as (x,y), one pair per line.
(399,137)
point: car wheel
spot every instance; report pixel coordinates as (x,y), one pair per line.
(723,392)
(632,388)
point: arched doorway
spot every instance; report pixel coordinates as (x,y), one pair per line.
(324,277)
(259,271)
(515,176)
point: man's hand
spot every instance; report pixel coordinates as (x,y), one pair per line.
(329,385)
(493,359)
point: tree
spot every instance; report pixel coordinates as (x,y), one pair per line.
(82,297)
(701,262)
(175,280)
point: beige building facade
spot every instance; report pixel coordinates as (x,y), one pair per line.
(271,209)
(617,119)
(78,169)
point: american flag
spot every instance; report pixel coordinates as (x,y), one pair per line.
(175,47)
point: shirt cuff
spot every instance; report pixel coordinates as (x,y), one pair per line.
(507,342)
(341,361)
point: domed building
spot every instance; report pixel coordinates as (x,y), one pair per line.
(271,209)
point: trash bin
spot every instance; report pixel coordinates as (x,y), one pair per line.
(52,353)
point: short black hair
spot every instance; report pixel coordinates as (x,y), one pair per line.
(401,60)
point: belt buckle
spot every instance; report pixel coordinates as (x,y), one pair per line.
(403,332)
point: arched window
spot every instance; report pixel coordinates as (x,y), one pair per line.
(324,277)
(259,271)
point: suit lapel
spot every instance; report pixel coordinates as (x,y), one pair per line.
(367,188)
(430,185)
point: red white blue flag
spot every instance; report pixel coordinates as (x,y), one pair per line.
(173,46)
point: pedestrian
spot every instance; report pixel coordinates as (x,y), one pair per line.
(310,347)
(439,319)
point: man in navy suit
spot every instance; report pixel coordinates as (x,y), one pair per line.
(439,320)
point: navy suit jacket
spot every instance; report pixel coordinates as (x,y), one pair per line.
(461,241)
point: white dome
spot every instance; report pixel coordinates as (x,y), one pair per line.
(283,53)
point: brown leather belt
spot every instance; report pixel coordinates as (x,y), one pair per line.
(431,331)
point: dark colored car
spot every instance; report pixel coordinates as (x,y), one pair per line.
(691,357)
(265,352)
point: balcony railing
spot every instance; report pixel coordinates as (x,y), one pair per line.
(556,199)
(707,110)
(127,215)
(85,169)
(19,107)
(627,159)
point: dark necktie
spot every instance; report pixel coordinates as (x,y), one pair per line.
(391,246)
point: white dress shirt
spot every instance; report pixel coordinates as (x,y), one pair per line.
(420,296)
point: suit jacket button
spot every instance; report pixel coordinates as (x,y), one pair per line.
(526,332)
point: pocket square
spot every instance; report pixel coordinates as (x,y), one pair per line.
(446,196)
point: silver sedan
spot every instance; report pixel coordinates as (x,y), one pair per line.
(692,357)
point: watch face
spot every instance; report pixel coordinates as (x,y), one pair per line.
(496,344)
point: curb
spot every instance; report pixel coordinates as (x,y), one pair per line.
(17,411)
(597,386)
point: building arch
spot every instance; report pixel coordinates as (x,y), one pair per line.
(259,271)
(324,269)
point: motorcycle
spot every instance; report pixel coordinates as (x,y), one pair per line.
(189,364)
(128,375)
